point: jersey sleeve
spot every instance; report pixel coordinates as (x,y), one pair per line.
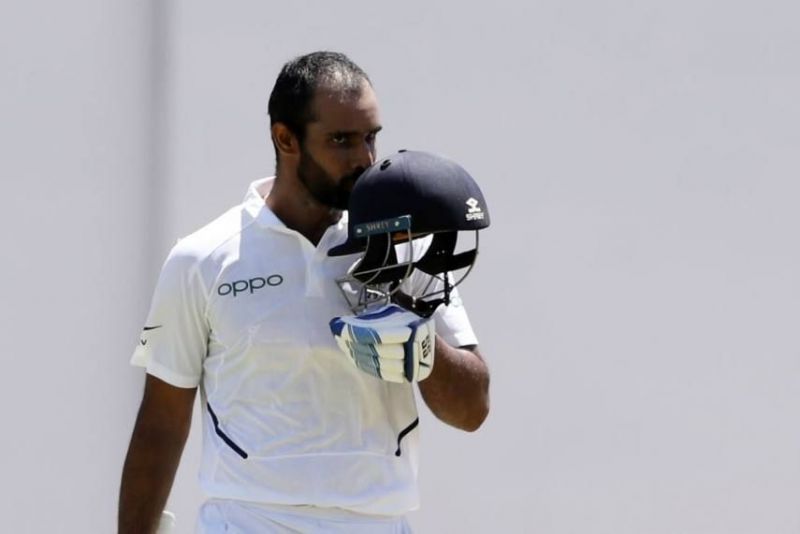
(452,321)
(174,339)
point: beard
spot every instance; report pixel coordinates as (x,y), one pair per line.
(324,188)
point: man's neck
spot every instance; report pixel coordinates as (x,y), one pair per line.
(299,211)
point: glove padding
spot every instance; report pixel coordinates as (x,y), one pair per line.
(391,343)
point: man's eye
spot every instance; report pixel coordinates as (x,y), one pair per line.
(339,139)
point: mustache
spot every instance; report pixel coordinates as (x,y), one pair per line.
(351,179)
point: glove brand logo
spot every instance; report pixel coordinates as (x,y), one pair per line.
(474,211)
(426,348)
(250,286)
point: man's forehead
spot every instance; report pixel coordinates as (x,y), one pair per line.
(351,108)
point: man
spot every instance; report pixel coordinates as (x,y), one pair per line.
(296,438)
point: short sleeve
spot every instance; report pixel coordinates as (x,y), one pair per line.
(174,339)
(452,323)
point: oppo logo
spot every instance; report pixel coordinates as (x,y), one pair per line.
(249,286)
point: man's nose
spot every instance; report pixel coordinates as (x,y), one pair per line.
(365,155)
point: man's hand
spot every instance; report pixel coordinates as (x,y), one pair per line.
(391,343)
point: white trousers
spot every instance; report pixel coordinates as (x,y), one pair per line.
(239,517)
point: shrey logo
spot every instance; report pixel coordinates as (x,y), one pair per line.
(251,285)
(474,211)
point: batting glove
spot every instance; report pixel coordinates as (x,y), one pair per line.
(391,343)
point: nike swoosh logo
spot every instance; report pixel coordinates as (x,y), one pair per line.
(146,328)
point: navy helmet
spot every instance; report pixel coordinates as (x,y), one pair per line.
(401,198)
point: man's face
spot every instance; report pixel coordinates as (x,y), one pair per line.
(339,144)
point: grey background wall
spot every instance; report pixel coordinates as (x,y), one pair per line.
(637,295)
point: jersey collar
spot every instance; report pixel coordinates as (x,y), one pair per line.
(255,207)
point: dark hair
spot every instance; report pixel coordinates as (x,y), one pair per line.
(290,101)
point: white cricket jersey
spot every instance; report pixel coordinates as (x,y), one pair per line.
(241,309)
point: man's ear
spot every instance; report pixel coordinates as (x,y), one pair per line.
(285,141)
